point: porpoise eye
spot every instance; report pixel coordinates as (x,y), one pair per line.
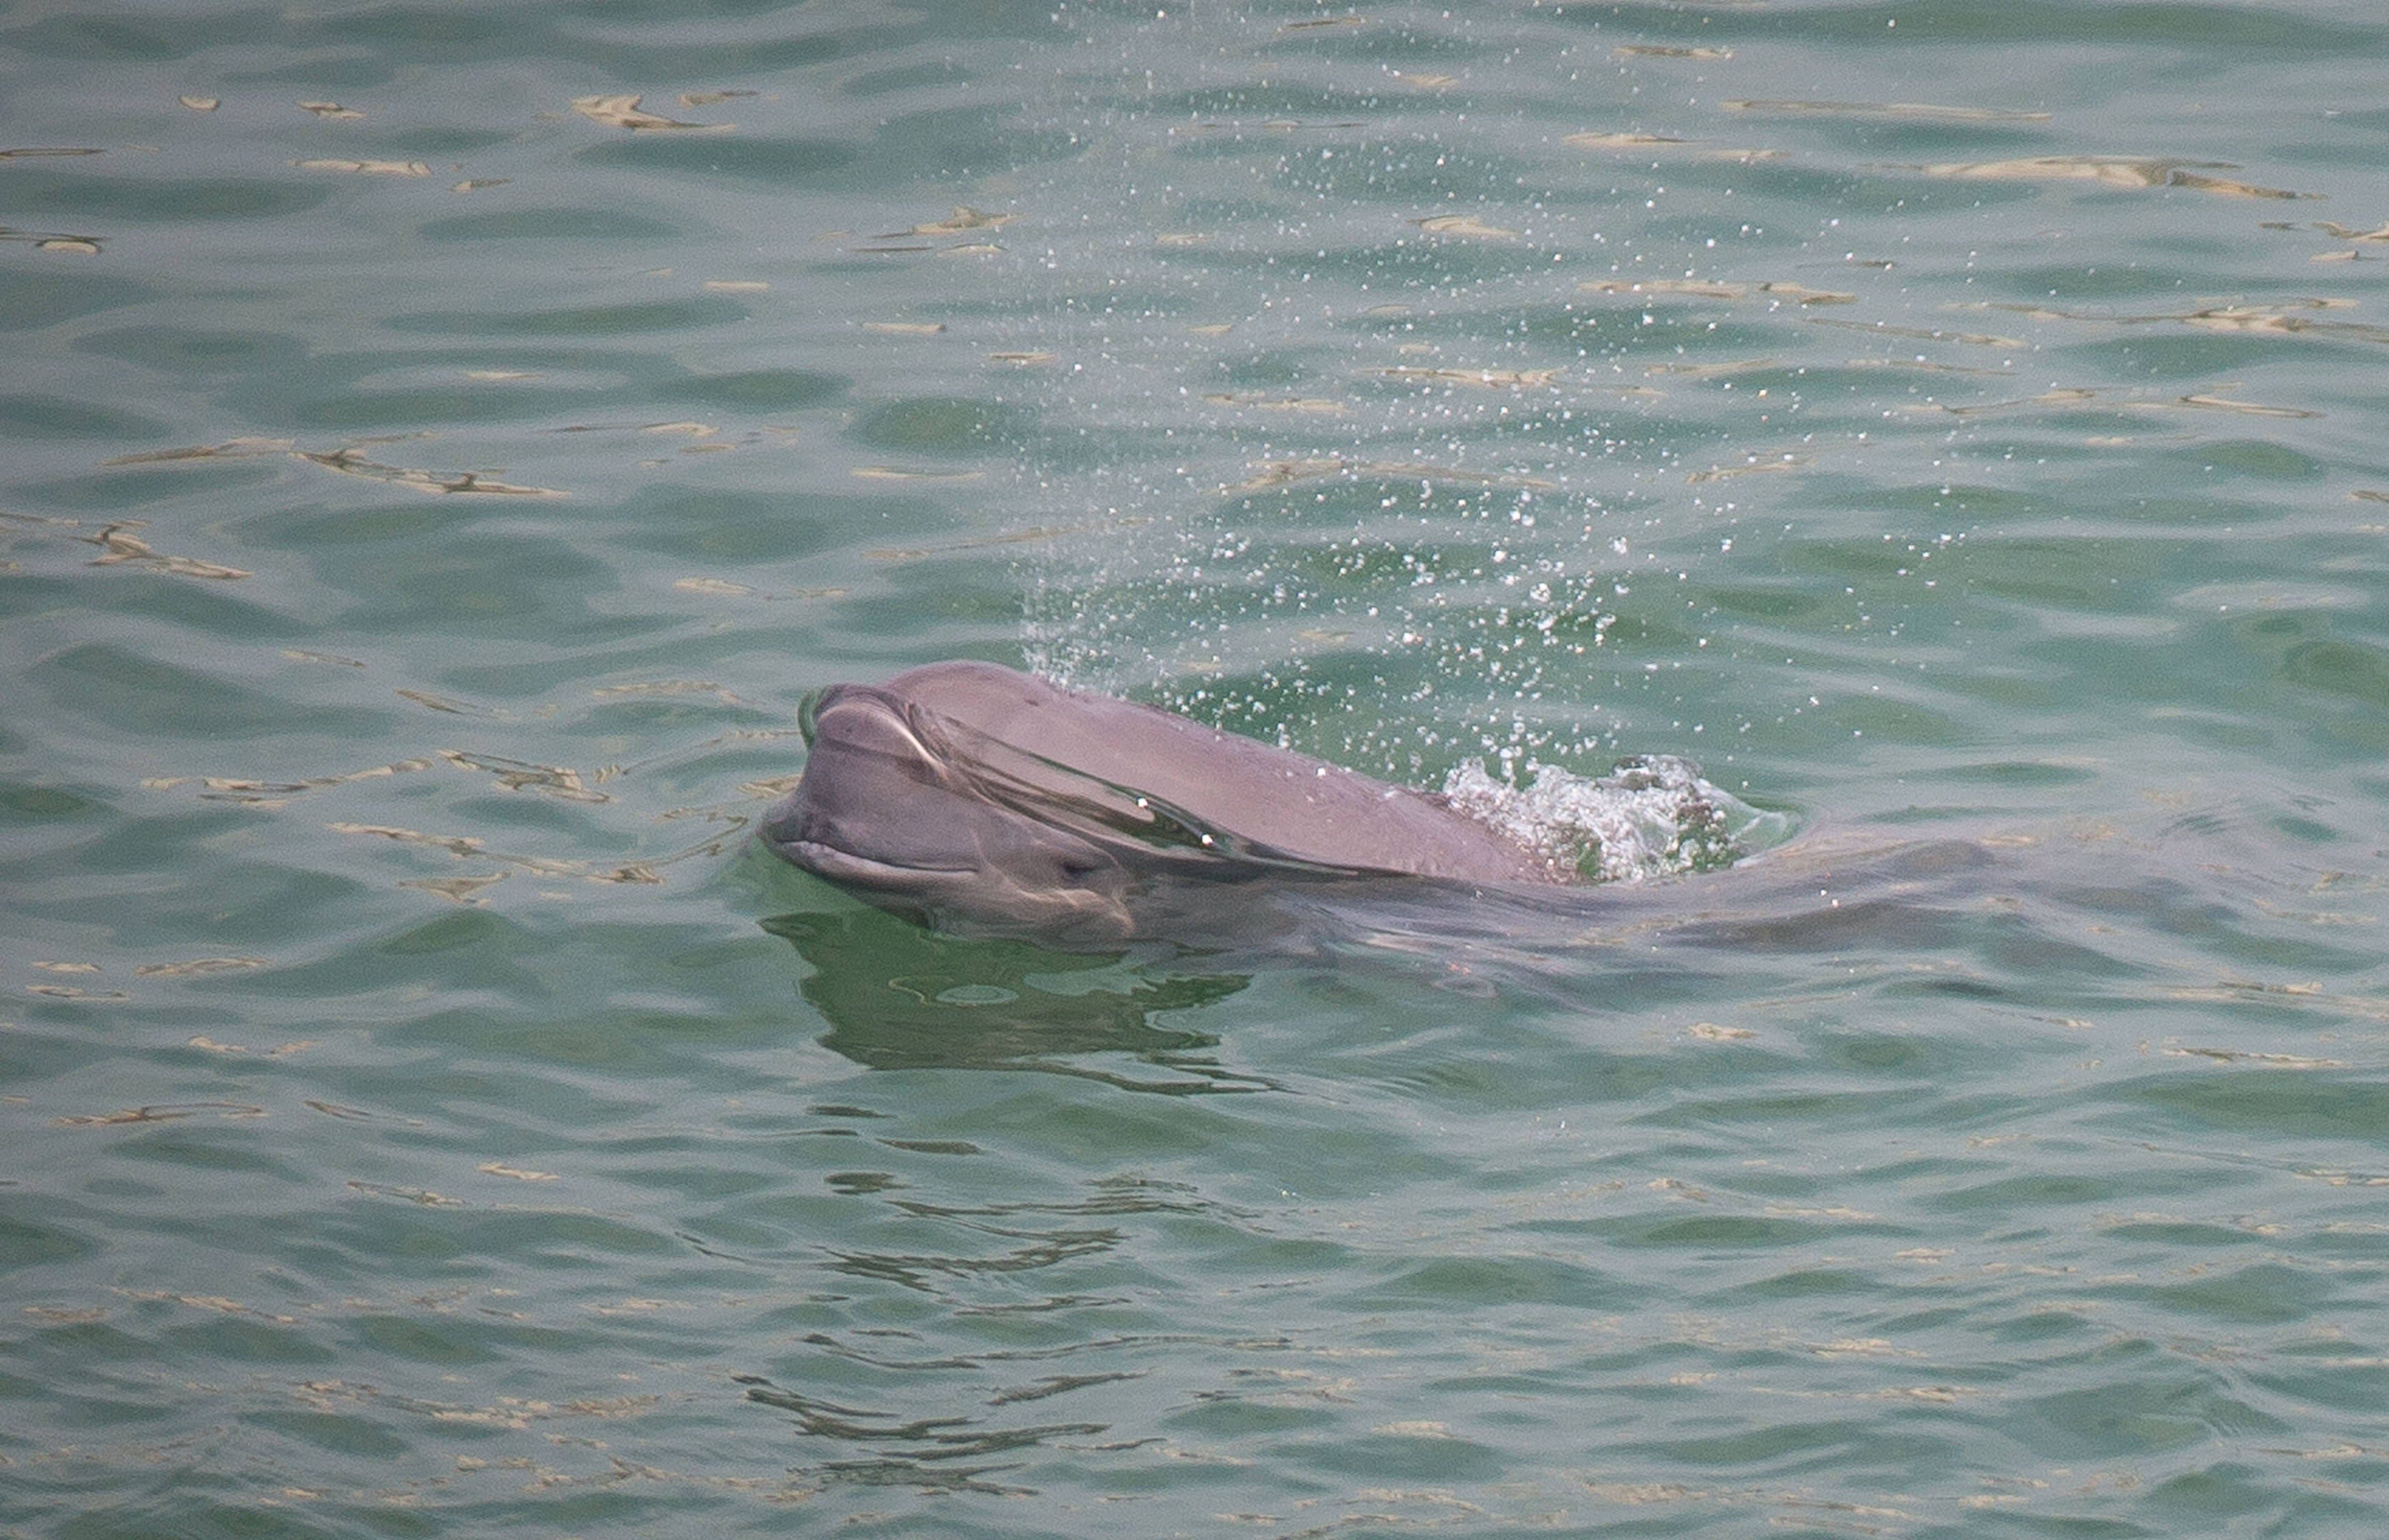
(1078,871)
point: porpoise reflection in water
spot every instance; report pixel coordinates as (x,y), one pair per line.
(988,801)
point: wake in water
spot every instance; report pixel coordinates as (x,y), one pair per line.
(1653,816)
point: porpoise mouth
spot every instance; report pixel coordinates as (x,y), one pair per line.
(845,866)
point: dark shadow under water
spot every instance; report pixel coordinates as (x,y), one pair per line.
(899,997)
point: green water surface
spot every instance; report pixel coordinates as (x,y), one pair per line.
(424,1111)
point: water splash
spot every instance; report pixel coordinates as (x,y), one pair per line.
(1653,816)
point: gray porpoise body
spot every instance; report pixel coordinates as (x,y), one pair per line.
(982,799)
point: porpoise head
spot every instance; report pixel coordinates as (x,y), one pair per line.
(989,802)
(892,806)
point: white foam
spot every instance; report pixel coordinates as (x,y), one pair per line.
(1652,816)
